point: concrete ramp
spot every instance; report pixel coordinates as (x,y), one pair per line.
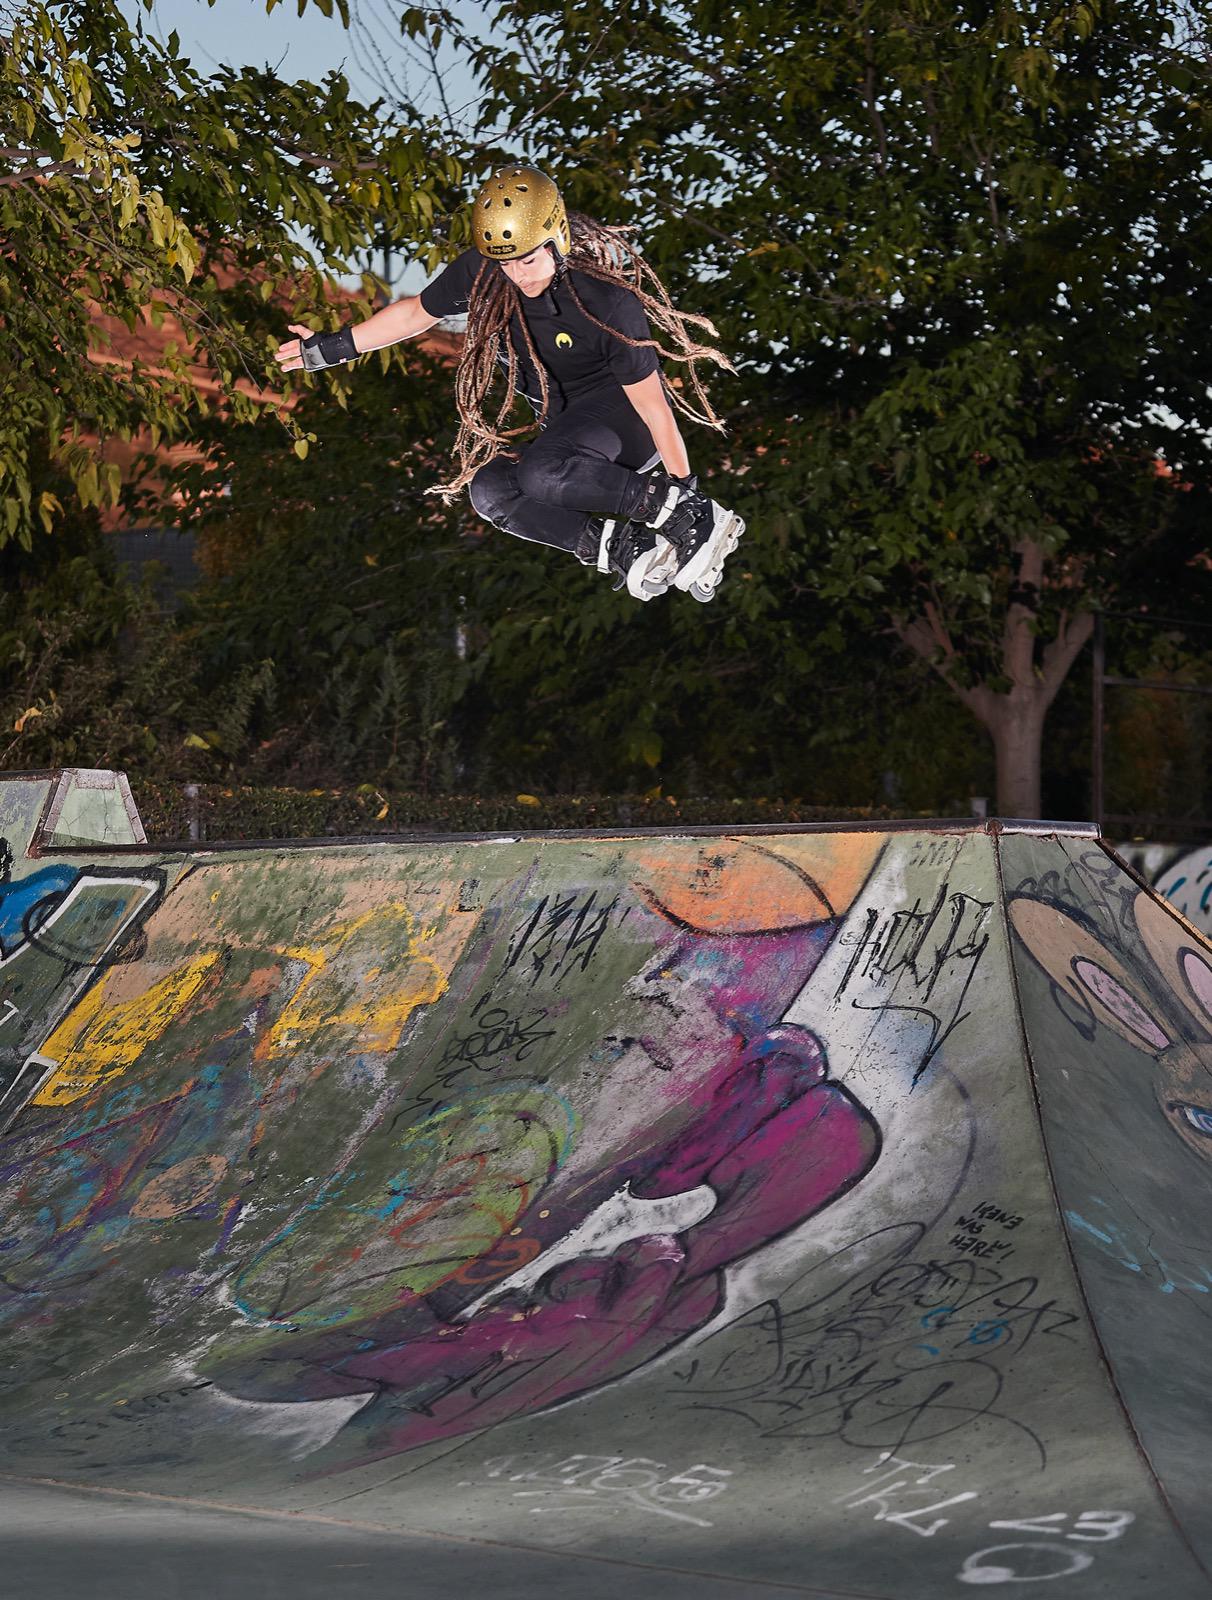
(801,1212)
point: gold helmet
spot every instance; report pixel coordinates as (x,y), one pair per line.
(516,211)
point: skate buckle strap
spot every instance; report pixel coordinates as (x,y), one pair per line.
(671,500)
(604,546)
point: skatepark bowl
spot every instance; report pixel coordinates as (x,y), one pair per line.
(818,1212)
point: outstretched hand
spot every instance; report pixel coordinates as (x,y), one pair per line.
(289,356)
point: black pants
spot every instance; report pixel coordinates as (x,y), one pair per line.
(583,465)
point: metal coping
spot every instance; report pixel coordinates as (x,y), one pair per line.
(986,825)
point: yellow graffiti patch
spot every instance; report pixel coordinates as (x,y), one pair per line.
(374,1002)
(94,1042)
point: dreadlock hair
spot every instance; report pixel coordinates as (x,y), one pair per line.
(599,251)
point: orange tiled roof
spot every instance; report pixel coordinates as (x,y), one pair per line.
(148,345)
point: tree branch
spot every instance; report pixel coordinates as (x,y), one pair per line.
(1061,652)
(560,93)
(931,106)
(928,638)
(986,167)
(1018,631)
(12,180)
(873,111)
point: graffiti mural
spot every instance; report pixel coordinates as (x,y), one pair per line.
(489,1206)
(1187,885)
(1116,960)
(585,1190)
(1115,992)
(58,927)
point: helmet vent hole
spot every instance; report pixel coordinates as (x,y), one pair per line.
(488,235)
(523,188)
(509,202)
(507,234)
(487,203)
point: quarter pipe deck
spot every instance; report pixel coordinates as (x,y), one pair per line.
(799,1212)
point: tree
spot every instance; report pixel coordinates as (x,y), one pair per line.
(962,251)
(336,581)
(129,180)
(324,645)
(405,643)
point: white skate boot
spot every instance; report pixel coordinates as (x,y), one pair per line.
(698,536)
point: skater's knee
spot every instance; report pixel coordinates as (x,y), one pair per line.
(492,489)
(541,473)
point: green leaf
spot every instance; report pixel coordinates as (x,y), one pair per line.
(648,748)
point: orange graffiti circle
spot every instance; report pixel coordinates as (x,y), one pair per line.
(181,1188)
(506,1257)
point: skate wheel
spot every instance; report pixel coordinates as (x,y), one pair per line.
(702,593)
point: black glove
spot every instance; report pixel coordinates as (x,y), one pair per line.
(328,349)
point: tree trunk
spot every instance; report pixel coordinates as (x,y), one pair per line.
(1015,720)
(1016,725)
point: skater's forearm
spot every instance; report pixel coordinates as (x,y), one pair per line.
(648,398)
(403,319)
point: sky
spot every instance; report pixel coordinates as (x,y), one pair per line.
(371,54)
(240,33)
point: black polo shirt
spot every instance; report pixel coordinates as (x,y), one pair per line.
(578,356)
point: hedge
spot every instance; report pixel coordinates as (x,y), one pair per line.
(219,813)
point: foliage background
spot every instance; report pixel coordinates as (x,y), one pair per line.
(963,256)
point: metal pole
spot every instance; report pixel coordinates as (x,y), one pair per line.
(195,813)
(1096,731)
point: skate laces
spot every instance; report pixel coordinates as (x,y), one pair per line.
(627,549)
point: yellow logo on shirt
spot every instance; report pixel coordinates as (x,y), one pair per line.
(563,341)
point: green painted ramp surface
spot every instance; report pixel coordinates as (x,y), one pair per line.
(805,1212)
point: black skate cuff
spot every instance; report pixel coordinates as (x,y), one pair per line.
(588,544)
(646,495)
(328,349)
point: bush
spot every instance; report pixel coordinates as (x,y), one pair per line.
(271,813)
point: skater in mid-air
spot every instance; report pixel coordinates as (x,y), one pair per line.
(565,305)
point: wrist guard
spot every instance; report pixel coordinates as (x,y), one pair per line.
(328,349)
